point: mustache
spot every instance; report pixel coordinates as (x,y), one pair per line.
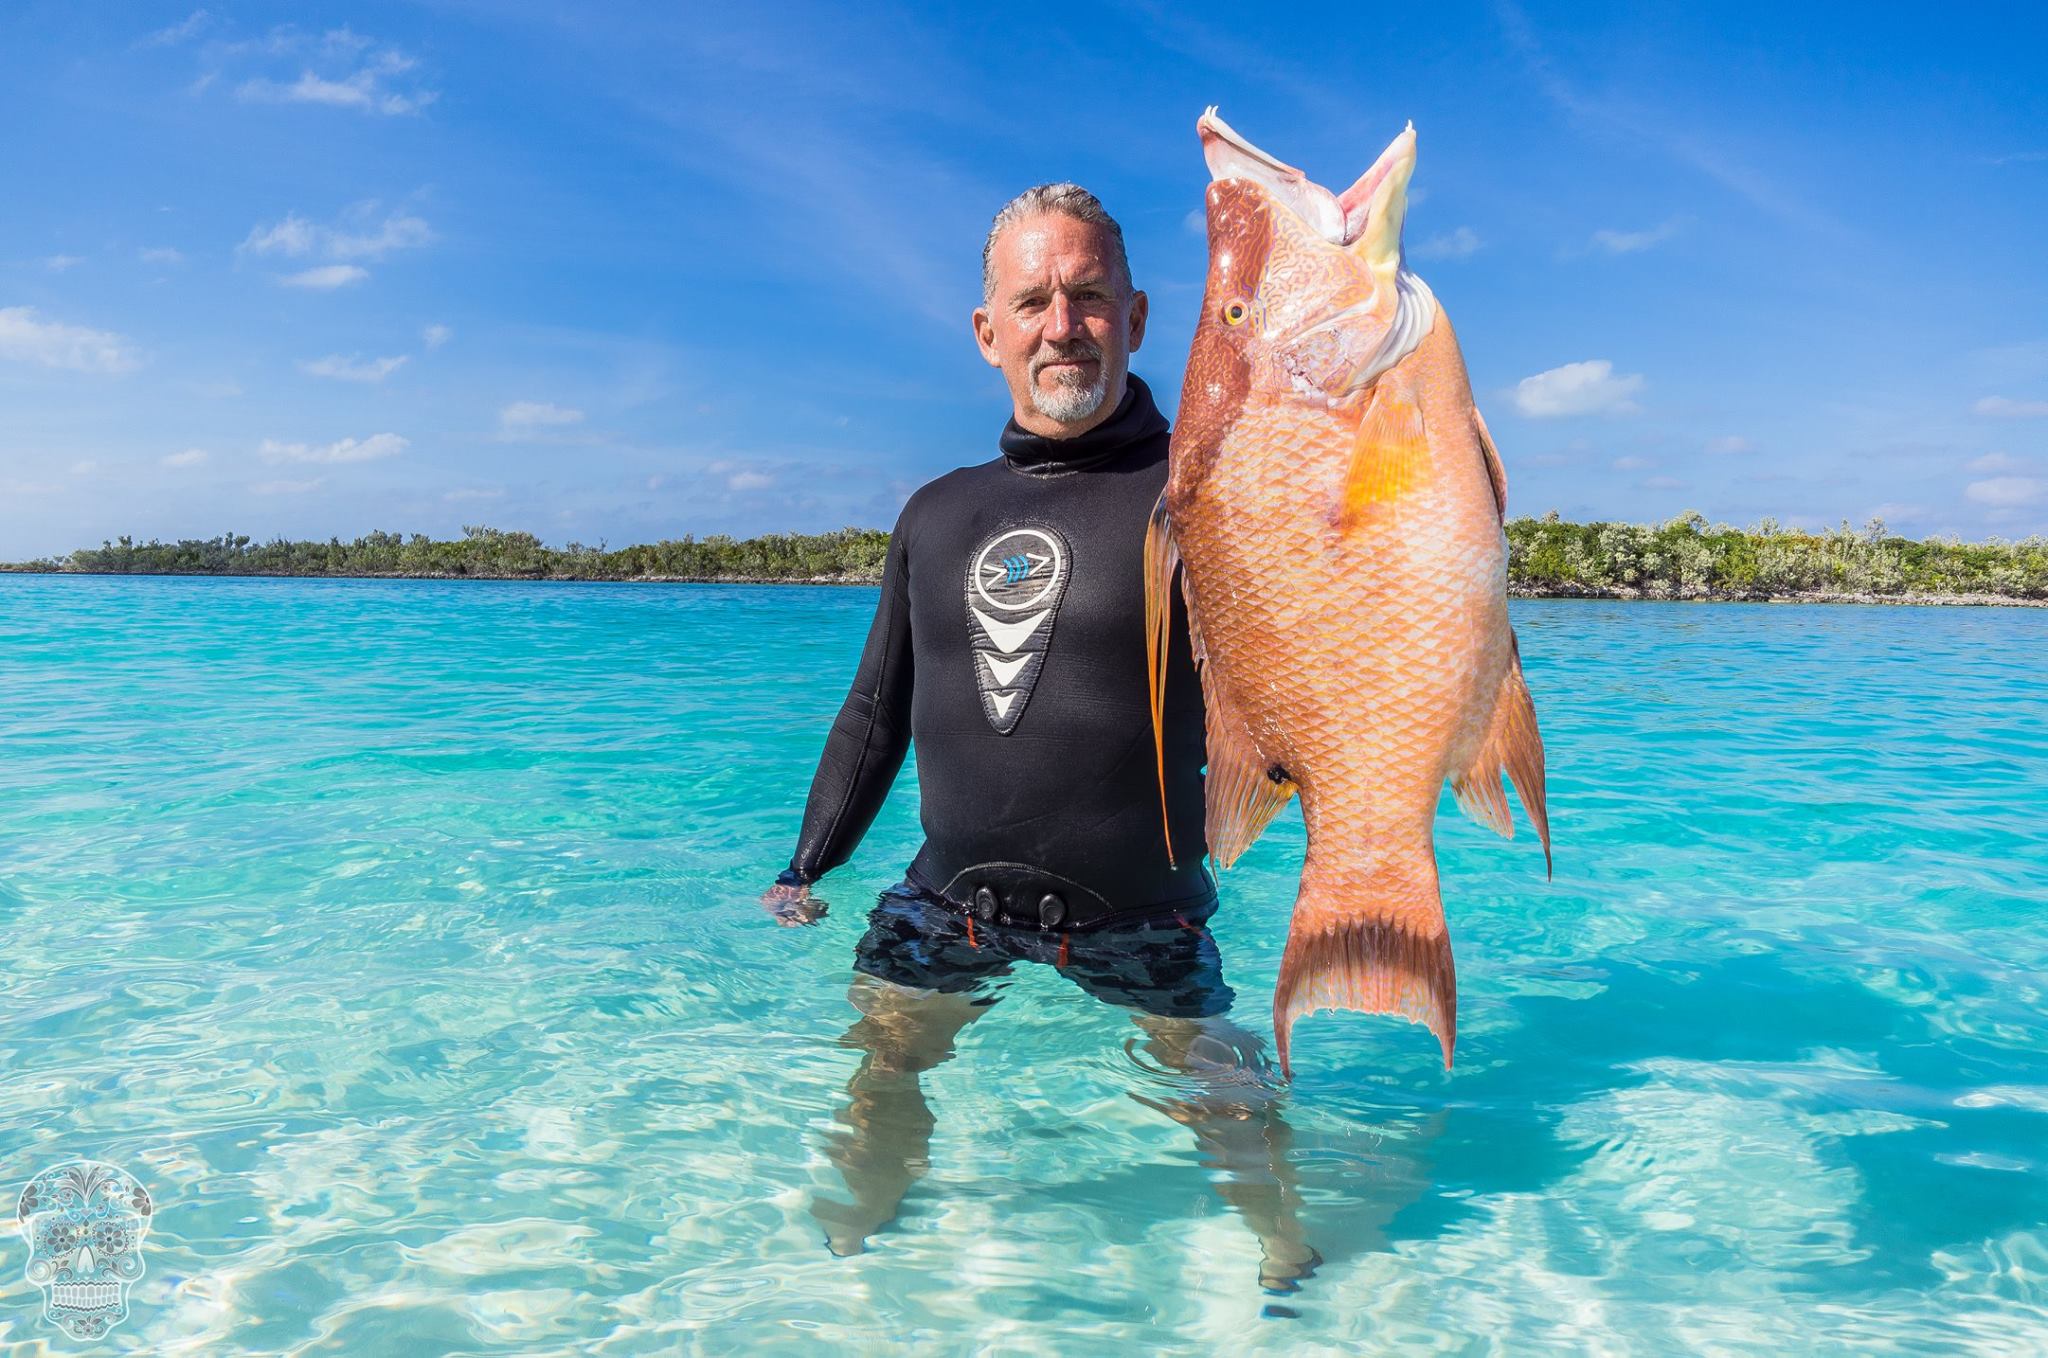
(1064,351)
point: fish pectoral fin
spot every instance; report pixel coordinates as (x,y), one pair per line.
(1513,746)
(1390,456)
(1162,558)
(1374,941)
(1494,471)
(1243,791)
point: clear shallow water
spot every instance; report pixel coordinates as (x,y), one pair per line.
(402,938)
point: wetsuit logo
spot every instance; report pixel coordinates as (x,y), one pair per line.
(1014,586)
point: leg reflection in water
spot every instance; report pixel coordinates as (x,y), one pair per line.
(921,977)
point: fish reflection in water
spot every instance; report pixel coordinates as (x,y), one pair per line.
(1196,1067)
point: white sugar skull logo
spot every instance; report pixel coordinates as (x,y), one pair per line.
(84,1223)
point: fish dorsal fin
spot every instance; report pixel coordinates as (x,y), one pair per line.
(1494,471)
(1389,456)
(1243,791)
(1512,746)
(1162,558)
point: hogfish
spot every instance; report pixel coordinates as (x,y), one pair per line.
(1335,507)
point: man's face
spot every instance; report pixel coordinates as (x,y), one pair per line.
(1062,324)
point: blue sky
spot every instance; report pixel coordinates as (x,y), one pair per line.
(614,272)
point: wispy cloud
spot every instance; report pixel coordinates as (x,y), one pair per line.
(1996,462)
(2006,492)
(523,416)
(325,277)
(2017,158)
(352,368)
(464,494)
(1629,122)
(434,336)
(25,337)
(1729,444)
(1455,244)
(287,487)
(62,263)
(191,457)
(161,254)
(343,450)
(349,77)
(1633,242)
(362,236)
(190,26)
(1588,388)
(1630,464)
(2005,408)
(749,481)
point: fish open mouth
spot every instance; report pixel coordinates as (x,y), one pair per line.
(1339,218)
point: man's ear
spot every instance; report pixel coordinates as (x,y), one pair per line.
(985,336)
(1140,309)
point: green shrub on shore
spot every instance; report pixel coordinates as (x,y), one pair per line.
(1685,558)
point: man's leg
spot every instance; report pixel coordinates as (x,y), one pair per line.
(915,985)
(1172,983)
(1237,1121)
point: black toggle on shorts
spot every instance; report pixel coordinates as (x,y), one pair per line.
(1165,967)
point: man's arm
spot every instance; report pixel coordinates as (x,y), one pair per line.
(865,749)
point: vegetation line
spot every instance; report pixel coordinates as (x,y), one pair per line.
(1685,558)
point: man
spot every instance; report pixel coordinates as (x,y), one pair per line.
(1009,642)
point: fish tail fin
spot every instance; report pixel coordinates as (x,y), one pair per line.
(1512,746)
(1373,941)
(1162,557)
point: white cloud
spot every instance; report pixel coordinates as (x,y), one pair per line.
(1450,245)
(1630,464)
(1730,444)
(162,254)
(85,466)
(474,493)
(1629,242)
(1996,462)
(434,336)
(2005,491)
(288,487)
(178,32)
(537,414)
(2006,408)
(352,369)
(60,263)
(365,239)
(325,277)
(344,450)
(1588,388)
(749,481)
(1196,223)
(191,457)
(56,345)
(368,88)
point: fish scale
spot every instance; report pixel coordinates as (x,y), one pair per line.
(1334,507)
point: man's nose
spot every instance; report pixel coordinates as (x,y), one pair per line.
(1063,320)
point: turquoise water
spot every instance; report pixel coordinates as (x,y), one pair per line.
(401,937)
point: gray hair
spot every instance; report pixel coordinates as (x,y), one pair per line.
(1066,200)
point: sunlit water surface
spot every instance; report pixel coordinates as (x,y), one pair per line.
(402,938)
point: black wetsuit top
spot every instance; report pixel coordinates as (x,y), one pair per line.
(1009,643)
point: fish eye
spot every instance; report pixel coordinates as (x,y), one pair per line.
(1235,311)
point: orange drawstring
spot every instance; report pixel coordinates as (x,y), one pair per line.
(1063,950)
(970,933)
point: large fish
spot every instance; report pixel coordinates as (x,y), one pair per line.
(1336,505)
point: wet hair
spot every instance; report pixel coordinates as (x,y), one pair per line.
(1065,200)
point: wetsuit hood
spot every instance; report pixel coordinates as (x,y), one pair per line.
(1135,420)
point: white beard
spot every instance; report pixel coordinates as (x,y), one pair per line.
(1070,401)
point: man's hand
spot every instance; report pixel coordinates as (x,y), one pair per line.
(792,904)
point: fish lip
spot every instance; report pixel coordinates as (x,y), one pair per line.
(1230,156)
(1339,219)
